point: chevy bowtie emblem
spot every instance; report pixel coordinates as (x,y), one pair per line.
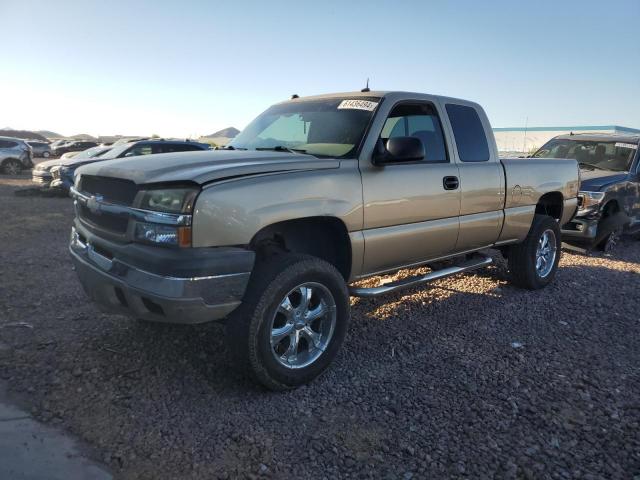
(93,203)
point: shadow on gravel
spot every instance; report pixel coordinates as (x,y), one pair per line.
(40,192)
(194,356)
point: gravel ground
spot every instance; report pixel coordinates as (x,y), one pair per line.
(467,378)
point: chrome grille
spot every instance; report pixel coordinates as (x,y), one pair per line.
(113,190)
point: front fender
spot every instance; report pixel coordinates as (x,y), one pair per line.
(232,212)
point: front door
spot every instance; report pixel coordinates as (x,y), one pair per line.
(411,209)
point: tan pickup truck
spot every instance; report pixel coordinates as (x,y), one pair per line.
(316,193)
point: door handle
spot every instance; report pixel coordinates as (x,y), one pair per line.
(450,183)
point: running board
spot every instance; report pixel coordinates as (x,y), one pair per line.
(473,263)
(576,249)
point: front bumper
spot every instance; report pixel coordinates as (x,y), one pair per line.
(120,287)
(41,178)
(580,229)
(62,180)
(60,184)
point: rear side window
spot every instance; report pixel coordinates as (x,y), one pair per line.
(7,144)
(470,136)
(179,147)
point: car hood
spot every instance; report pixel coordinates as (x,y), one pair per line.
(595,180)
(204,167)
(46,166)
(63,162)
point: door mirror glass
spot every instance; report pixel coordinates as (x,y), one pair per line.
(399,149)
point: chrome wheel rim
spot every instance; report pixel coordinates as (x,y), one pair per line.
(303,325)
(546,253)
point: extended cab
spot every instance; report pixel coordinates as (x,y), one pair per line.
(316,193)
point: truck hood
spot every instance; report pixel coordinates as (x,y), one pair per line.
(204,167)
(595,180)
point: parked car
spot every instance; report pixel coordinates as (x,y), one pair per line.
(62,175)
(41,174)
(73,146)
(609,198)
(40,149)
(315,194)
(15,155)
(60,142)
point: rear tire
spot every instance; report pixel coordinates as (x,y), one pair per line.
(292,321)
(534,262)
(11,167)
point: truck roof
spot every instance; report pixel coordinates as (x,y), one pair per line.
(600,137)
(396,94)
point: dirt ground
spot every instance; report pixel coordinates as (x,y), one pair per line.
(467,378)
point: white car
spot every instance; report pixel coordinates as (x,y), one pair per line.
(42,171)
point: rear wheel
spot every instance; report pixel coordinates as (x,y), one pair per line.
(534,262)
(292,321)
(12,167)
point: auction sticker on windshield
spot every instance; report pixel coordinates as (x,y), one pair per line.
(358,105)
(626,145)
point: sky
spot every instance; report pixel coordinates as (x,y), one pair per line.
(190,68)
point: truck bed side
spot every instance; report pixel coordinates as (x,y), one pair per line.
(527,181)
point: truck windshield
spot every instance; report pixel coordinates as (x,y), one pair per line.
(603,155)
(323,128)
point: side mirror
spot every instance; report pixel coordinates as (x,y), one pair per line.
(397,150)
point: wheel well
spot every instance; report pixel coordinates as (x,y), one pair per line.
(551,204)
(323,237)
(610,208)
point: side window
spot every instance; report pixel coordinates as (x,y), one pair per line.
(4,144)
(140,149)
(179,147)
(419,120)
(470,136)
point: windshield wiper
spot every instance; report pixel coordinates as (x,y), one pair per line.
(281,148)
(584,164)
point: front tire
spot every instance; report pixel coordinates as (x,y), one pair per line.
(292,321)
(534,262)
(610,230)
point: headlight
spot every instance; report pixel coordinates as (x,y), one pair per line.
(163,234)
(589,201)
(174,200)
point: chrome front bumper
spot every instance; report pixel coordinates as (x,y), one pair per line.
(40,177)
(122,288)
